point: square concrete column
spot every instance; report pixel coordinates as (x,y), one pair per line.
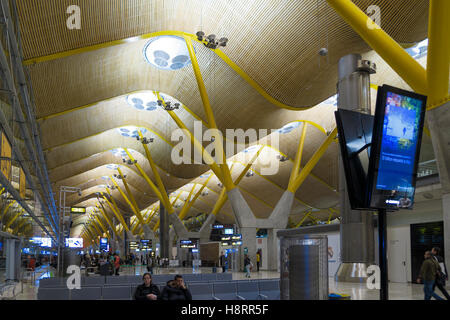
(248,241)
(446,218)
(273,249)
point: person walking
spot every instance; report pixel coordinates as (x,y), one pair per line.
(247,266)
(427,274)
(443,275)
(116,264)
(147,291)
(258,260)
(222,261)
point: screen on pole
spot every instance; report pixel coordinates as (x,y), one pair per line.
(397,137)
(74,242)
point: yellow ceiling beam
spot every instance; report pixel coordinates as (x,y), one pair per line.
(6,209)
(133,200)
(312,162)
(149,181)
(438,66)
(19,213)
(227,180)
(192,37)
(158,179)
(397,57)
(124,196)
(107,219)
(113,206)
(298,157)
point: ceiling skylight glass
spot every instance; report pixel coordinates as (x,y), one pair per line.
(289,127)
(119,152)
(419,50)
(147,100)
(332,101)
(112,166)
(167,53)
(131,131)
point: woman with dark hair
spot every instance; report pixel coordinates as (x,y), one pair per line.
(147,291)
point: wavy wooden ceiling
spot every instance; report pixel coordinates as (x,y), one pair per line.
(275,42)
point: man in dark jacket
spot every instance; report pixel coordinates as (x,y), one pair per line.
(147,291)
(176,290)
(427,274)
(440,283)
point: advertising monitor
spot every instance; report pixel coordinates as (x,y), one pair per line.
(397,137)
(74,242)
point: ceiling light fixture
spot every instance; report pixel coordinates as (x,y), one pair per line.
(210,41)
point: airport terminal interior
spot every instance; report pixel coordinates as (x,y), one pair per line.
(263,150)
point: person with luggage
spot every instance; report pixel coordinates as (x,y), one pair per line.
(427,274)
(222,261)
(443,275)
(248,265)
(116,264)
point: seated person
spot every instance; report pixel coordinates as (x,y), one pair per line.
(147,291)
(176,290)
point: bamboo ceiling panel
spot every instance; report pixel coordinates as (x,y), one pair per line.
(261,33)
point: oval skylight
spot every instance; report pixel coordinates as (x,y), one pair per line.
(148,101)
(131,131)
(119,152)
(112,166)
(167,53)
(289,127)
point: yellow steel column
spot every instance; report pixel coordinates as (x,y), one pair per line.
(6,209)
(298,156)
(303,219)
(133,201)
(438,51)
(13,219)
(149,181)
(113,207)
(186,203)
(312,162)
(208,158)
(136,212)
(152,215)
(227,181)
(100,223)
(158,179)
(103,213)
(402,63)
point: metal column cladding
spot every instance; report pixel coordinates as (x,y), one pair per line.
(357,237)
(164,232)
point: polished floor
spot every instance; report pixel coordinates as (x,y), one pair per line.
(397,291)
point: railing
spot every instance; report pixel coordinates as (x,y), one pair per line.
(427,168)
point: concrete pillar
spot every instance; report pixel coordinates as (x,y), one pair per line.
(438,121)
(13,248)
(280,214)
(205,230)
(164,248)
(273,249)
(357,240)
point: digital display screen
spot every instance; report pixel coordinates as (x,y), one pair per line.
(42,242)
(400,117)
(228,231)
(74,242)
(104,244)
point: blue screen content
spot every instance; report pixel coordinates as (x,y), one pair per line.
(398,148)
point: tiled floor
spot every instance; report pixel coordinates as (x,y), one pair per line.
(397,291)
